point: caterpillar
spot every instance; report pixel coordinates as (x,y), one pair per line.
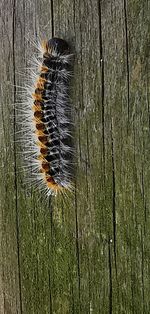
(50,119)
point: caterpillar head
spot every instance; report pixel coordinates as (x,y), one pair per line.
(56,46)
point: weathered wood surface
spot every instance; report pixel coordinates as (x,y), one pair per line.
(88,253)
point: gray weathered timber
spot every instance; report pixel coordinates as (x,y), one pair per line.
(87,252)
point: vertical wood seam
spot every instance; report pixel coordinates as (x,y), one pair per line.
(102,80)
(113,196)
(110,278)
(52,17)
(127,57)
(15,162)
(49,271)
(77,247)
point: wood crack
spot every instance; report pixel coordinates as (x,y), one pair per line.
(50,272)
(102,81)
(113,196)
(15,154)
(77,247)
(110,277)
(127,58)
(52,18)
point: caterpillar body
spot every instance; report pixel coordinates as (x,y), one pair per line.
(51,118)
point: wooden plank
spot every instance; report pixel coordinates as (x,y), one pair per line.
(10,298)
(88,252)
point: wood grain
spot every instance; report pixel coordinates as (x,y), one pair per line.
(88,252)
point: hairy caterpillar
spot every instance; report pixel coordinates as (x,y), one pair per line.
(50,123)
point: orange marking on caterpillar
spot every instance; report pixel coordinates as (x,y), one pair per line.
(40,133)
(40,144)
(37,97)
(40,83)
(52,184)
(47,49)
(37,107)
(40,126)
(41,157)
(37,103)
(45,166)
(44,151)
(43,69)
(38,115)
(43,139)
(37,120)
